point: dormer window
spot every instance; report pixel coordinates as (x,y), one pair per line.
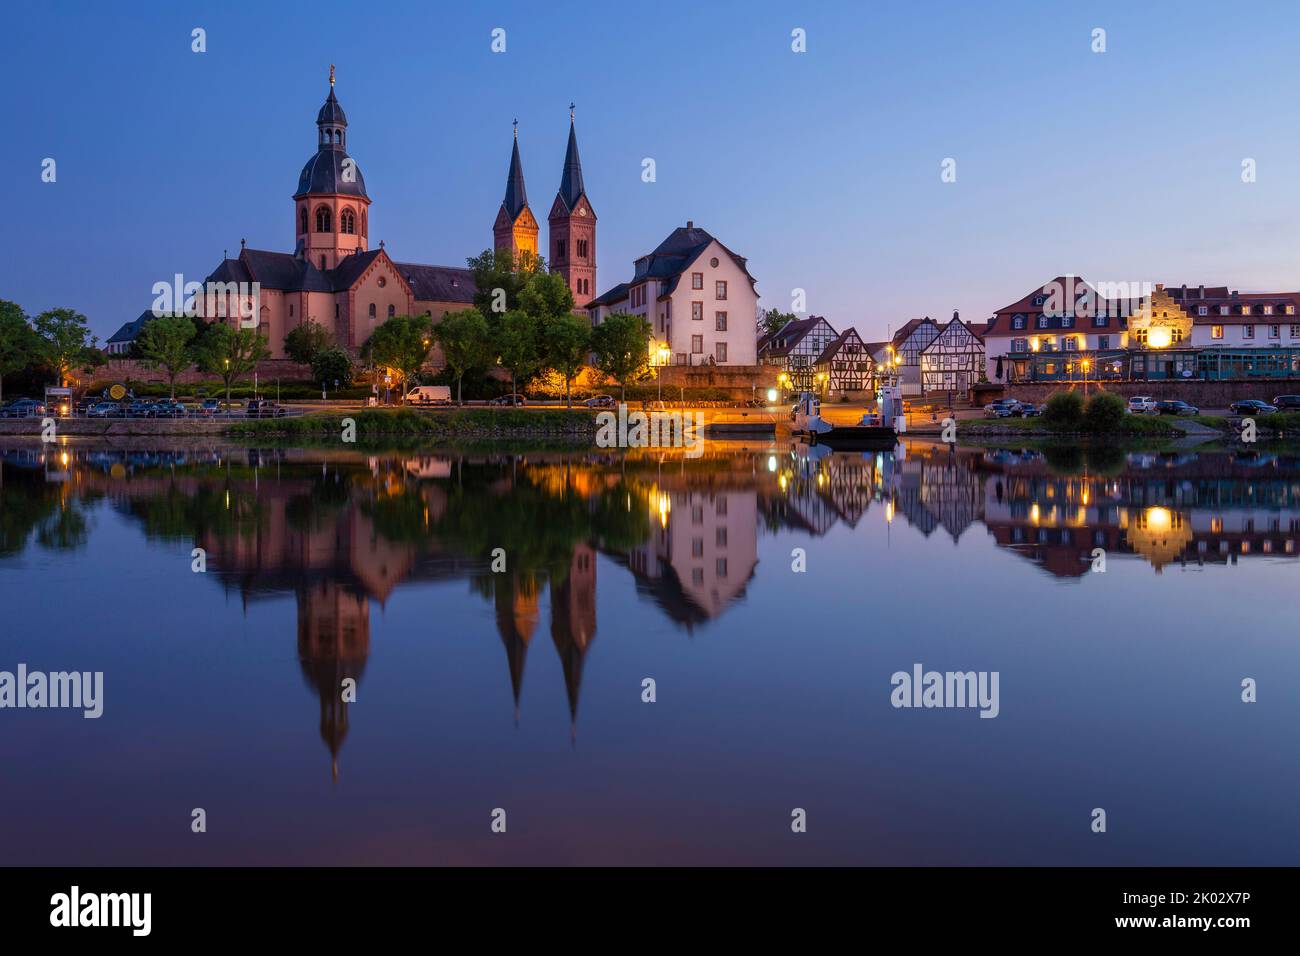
(1039,299)
(1268,310)
(1042,321)
(1202,310)
(1067,321)
(1017,321)
(1223,310)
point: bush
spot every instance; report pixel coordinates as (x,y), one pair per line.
(1064,411)
(332,365)
(1104,413)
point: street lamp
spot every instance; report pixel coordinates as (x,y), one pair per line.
(663,354)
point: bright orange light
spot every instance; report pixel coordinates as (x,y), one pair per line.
(1159,338)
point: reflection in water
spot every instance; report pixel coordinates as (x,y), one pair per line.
(342,530)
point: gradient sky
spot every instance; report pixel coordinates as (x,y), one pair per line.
(822,168)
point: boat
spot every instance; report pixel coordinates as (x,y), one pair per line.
(758,425)
(871,431)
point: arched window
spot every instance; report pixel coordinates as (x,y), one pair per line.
(347,222)
(323,223)
(392,311)
(372,310)
(302,219)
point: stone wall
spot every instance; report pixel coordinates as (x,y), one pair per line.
(123,370)
(1196,392)
(740,381)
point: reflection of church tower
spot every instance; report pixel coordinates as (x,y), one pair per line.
(515,230)
(333,644)
(573,619)
(516,613)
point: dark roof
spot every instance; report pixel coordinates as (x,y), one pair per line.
(273,270)
(131,330)
(789,335)
(1001,323)
(675,254)
(1215,297)
(331,114)
(571,188)
(516,196)
(616,294)
(324,174)
(350,269)
(839,342)
(908,327)
(438,283)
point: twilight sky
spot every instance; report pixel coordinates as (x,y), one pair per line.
(823,168)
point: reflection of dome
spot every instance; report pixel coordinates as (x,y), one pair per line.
(1159,535)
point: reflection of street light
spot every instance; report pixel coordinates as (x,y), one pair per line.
(662,354)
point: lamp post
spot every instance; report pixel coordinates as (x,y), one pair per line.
(662,354)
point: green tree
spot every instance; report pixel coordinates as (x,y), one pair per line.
(1105,412)
(770,320)
(65,342)
(303,343)
(567,346)
(230,354)
(18,343)
(165,343)
(498,280)
(517,343)
(1063,411)
(463,338)
(402,343)
(332,364)
(546,296)
(622,347)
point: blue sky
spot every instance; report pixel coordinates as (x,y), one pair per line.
(823,168)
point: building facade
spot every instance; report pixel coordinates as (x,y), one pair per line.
(954,359)
(698,297)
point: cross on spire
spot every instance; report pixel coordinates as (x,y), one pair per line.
(571,107)
(331,76)
(516,125)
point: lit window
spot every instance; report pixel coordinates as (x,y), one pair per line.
(1216,331)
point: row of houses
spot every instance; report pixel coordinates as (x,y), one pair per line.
(1065,330)
(923,355)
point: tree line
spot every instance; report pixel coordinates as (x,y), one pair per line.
(522,321)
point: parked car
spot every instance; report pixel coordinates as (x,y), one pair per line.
(169,409)
(1002,408)
(1029,410)
(514,399)
(209,407)
(23,408)
(600,401)
(1252,406)
(140,410)
(1287,403)
(260,408)
(1173,406)
(1143,405)
(106,410)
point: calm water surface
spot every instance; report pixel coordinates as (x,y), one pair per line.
(522,689)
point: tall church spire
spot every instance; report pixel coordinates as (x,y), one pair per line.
(515,230)
(573,226)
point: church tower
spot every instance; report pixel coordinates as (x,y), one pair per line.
(572,225)
(515,230)
(330,205)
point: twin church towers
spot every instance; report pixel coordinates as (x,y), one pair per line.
(571,223)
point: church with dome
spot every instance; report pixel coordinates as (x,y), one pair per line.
(333,278)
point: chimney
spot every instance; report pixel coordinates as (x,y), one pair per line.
(1202,291)
(1183,294)
(1234,293)
(690,223)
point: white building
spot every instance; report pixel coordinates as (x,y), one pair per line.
(698,297)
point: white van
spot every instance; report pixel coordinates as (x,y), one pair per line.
(429,395)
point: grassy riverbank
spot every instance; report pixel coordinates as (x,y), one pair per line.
(405,422)
(1133,426)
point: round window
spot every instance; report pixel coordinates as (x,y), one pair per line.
(714,262)
(382,282)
